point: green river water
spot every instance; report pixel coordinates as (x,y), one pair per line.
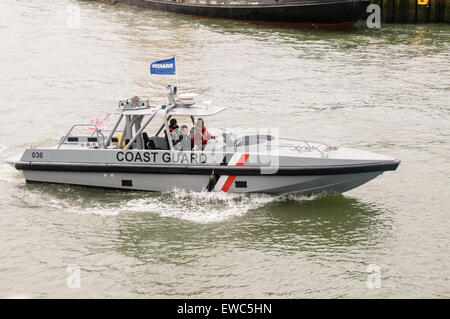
(385,91)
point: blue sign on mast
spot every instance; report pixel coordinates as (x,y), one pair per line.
(163,67)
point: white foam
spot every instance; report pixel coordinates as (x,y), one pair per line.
(7,172)
(94,210)
(198,207)
(3,149)
(299,197)
(71,204)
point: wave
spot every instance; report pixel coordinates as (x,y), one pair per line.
(200,207)
(197,207)
(7,173)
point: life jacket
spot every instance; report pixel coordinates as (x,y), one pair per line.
(204,135)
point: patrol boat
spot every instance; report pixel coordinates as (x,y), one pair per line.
(138,154)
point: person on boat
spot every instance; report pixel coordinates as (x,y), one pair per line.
(174,129)
(173,125)
(191,134)
(135,100)
(184,141)
(201,135)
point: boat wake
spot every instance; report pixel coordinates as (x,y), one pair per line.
(7,173)
(198,207)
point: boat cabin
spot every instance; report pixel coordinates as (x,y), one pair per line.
(135,117)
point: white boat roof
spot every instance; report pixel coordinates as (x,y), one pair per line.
(179,110)
(141,111)
(196,111)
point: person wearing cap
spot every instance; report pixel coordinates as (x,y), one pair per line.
(184,141)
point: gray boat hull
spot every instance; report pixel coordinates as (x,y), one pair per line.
(165,182)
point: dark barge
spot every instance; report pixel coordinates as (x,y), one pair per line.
(326,14)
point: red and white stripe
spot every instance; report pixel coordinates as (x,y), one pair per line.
(225,181)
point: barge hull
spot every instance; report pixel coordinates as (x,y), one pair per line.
(323,14)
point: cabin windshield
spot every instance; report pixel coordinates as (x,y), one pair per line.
(154,135)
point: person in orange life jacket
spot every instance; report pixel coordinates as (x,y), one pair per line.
(201,135)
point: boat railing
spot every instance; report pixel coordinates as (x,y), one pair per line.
(97,131)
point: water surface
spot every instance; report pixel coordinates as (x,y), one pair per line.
(386,91)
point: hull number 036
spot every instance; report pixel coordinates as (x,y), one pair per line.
(37,155)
